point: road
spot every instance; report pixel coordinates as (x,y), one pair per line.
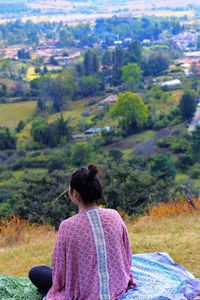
(195,121)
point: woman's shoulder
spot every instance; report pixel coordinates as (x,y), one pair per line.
(110,212)
(70,221)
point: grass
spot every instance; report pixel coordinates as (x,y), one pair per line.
(176,235)
(32,245)
(141,137)
(12,113)
(30,75)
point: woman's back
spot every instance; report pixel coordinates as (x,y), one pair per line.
(92,257)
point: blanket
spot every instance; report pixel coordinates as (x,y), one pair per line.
(156,275)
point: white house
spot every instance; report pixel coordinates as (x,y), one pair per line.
(171,82)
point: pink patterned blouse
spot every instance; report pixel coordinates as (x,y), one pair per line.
(92,257)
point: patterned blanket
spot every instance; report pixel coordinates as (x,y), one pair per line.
(156,275)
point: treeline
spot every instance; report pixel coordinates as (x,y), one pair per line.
(100,71)
(131,186)
(105,31)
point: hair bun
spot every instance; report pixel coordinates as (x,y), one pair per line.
(92,171)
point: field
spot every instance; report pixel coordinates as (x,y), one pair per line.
(31,245)
(12,113)
(30,75)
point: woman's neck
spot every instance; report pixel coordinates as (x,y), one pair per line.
(83,207)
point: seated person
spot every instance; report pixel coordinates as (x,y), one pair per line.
(92,255)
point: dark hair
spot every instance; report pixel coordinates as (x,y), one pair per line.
(87,184)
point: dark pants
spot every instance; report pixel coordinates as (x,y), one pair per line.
(41,277)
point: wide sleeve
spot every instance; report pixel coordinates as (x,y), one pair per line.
(59,264)
(127,245)
(128,252)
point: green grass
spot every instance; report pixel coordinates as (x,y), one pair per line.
(12,113)
(141,137)
(24,136)
(181,177)
(127,153)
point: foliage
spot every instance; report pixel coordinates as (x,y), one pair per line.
(131,111)
(7,139)
(131,75)
(155,63)
(50,134)
(163,168)
(196,142)
(81,154)
(37,200)
(187,105)
(89,85)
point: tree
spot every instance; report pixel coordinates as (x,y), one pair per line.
(107,58)
(3,91)
(90,62)
(131,111)
(155,63)
(89,85)
(163,168)
(22,54)
(187,105)
(131,75)
(50,134)
(196,142)
(37,201)
(20,126)
(126,187)
(61,89)
(134,53)
(81,154)
(7,140)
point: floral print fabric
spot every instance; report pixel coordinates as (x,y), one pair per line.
(75,258)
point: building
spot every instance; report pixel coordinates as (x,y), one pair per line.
(171,82)
(94,131)
(110,100)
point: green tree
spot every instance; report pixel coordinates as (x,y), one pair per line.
(7,140)
(81,154)
(162,167)
(38,129)
(131,75)
(155,63)
(37,199)
(126,187)
(131,111)
(90,62)
(89,85)
(61,89)
(196,142)
(187,105)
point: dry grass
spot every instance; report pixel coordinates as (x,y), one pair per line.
(31,74)
(160,231)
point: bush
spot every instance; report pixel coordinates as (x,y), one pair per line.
(184,161)
(194,173)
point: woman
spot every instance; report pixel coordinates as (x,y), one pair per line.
(92,254)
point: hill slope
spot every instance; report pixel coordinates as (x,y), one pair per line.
(30,245)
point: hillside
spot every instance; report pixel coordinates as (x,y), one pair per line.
(32,245)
